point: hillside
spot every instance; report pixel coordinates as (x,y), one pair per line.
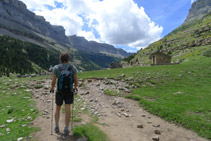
(21,57)
(189,35)
(20,23)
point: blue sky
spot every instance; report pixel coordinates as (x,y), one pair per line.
(127,24)
(168,13)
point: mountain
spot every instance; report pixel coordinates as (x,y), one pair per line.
(193,34)
(198,10)
(20,23)
(80,43)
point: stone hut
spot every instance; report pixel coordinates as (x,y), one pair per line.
(160,58)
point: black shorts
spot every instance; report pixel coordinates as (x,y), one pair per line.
(68,98)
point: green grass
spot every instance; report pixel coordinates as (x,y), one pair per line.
(17,104)
(111,92)
(90,131)
(181,93)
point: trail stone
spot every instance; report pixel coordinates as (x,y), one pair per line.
(118,114)
(158,132)
(140,126)
(156,125)
(126,115)
(156,138)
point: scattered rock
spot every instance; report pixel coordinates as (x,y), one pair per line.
(156,125)
(83,109)
(123,75)
(140,126)
(158,132)
(2,126)
(89,80)
(8,130)
(96,100)
(98,84)
(180,75)
(29,118)
(20,139)
(10,120)
(118,114)
(156,138)
(126,115)
(28,90)
(116,102)
(176,93)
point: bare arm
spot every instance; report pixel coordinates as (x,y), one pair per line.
(75,81)
(53,83)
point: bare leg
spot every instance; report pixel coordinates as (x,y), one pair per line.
(57,114)
(67,115)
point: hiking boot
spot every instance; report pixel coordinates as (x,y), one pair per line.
(66,131)
(56,129)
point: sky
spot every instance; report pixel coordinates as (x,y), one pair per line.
(127,24)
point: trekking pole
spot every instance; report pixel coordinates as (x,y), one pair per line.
(72,118)
(52,113)
(74,91)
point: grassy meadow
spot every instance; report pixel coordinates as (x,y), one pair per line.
(17,109)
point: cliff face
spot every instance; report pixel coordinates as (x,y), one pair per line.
(14,15)
(198,9)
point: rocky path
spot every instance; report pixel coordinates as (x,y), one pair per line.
(121,119)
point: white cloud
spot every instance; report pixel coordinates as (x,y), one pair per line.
(119,22)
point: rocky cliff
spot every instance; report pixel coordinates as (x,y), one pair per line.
(15,16)
(198,9)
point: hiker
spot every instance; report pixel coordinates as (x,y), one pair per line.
(63,93)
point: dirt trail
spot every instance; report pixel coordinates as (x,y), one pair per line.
(121,119)
(43,101)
